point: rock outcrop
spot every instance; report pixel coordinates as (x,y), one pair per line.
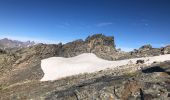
(166,50)
(146,47)
(145,51)
(99,44)
(148,50)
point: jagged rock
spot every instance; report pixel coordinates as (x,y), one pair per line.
(73,48)
(99,44)
(146,51)
(102,46)
(146,47)
(25,60)
(100,40)
(166,50)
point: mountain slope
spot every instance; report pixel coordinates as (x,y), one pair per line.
(20,72)
(106,85)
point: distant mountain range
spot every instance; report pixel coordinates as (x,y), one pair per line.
(8,43)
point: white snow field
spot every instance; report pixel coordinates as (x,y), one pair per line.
(58,67)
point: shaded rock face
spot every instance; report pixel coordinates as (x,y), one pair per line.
(100,40)
(99,44)
(102,46)
(73,48)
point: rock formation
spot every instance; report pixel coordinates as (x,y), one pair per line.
(146,50)
(20,73)
(166,50)
(99,44)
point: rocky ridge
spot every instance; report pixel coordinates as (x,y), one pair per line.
(21,68)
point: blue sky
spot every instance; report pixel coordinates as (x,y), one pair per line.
(132,22)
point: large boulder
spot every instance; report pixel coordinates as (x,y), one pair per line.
(146,47)
(166,50)
(2,51)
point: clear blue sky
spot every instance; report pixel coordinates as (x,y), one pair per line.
(132,22)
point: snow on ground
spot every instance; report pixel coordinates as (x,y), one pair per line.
(58,67)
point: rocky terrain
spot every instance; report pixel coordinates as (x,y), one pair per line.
(20,73)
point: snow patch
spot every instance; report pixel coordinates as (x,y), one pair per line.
(58,67)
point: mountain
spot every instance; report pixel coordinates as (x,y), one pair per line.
(7,43)
(20,73)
